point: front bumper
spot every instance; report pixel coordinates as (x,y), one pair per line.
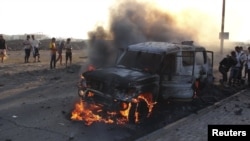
(104,101)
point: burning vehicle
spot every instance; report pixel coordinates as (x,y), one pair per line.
(143,74)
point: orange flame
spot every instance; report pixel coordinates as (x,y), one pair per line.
(91,112)
(125,113)
(147,97)
(76,114)
(81,112)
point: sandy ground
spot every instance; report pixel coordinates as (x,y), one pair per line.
(32,79)
(36,102)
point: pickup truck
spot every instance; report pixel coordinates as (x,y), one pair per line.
(145,73)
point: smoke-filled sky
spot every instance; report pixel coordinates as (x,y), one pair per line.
(75,18)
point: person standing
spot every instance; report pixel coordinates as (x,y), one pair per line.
(3,48)
(68,54)
(224,66)
(248,67)
(53,50)
(35,48)
(234,70)
(242,58)
(59,50)
(27,49)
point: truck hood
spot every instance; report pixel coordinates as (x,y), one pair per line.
(121,75)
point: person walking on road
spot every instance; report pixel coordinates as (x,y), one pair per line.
(53,50)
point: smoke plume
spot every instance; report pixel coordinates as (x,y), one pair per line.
(133,21)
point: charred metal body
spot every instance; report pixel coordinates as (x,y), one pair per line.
(145,73)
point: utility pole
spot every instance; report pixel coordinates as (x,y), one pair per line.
(222,28)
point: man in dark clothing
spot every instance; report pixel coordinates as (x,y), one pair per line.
(248,66)
(68,54)
(234,71)
(27,49)
(225,64)
(3,48)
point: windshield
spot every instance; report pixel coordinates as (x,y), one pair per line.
(141,60)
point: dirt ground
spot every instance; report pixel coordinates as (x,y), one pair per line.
(27,85)
(32,79)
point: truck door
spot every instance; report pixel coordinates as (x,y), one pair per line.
(210,64)
(177,74)
(200,70)
(203,67)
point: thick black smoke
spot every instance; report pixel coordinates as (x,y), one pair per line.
(100,46)
(132,22)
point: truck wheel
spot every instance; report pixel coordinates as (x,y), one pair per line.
(142,109)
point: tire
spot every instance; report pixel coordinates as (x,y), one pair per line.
(142,109)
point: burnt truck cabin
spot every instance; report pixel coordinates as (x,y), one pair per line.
(146,72)
(182,68)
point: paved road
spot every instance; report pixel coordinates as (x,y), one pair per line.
(232,110)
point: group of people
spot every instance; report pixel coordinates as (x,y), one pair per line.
(58,48)
(31,45)
(236,63)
